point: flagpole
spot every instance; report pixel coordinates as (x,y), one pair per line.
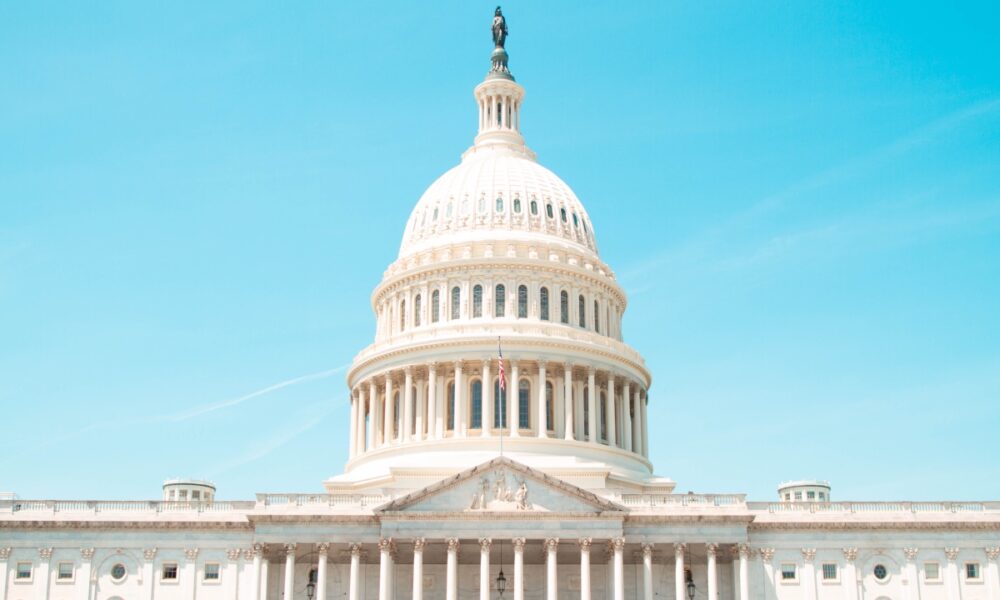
(501,385)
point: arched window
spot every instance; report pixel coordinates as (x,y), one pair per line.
(499,405)
(447,211)
(562,213)
(543,302)
(534,207)
(500,301)
(564,307)
(435,217)
(576,222)
(435,306)
(583,312)
(499,204)
(548,210)
(451,406)
(517,205)
(482,204)
(402,315)
(476,415)
(586,410)
(477,301)
(604,411)
(550,412)
(597,317)
(456,302)
(417,305)
(524,404)
(522,302)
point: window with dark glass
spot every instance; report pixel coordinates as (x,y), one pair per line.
(543,303)
(435,306)
(499,301)
(550,413)
(451,406)
(597,317)
(524,404)
(604,411)
(417,305)
(564,307)
(562,214)
(477,301)
(499,204)
(456,302)
(548,210)
(586,410)
(583,312)
(402,315)
(522,302)
(517,205)
(476,416)
(534,207)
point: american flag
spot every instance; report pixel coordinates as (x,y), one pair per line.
(503,373)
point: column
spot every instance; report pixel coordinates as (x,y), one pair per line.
(543,413)
(264,569)
(322,551)
(912,578)
(256,551)
(647,571)
(4,557)
(389,425)
(518,544)
(592,406)
(585,544)
(713,576)
(149,555)
(679,587)
(460,420)
(352,444)
(952,583)
(484,568)
(992,572)
(745,572)
(451,589)
(618,544)
(372,402)
(289,570)
(850,573)
(809,573)
(384,569)
(407,425)
(42,576)
(627,417)
(568,401)
(612,425)
(418,569)
(514,401)
(420,413)
(767,566)
(190,570)
(645,426)
(637,422)
(551,573)
(354,589)
(487,399)
(434,423)
(86,556)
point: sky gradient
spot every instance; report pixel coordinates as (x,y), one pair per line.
(802,202)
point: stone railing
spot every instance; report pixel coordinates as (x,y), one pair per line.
(874,507)
(121,506)
(682,500)
(266,501)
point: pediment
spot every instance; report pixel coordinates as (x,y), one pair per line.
(500,486)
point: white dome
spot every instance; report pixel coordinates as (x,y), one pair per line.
(498,195)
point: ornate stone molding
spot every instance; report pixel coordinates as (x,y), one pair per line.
(485,544)
(45,553)
(744,551)
(191,553)
(234,553)
(766,554)
(419,544)
(551,544)
(711,549)
(87,553)
(850,554)
(809,554)
(149,553)
(618,544)
(951,553)
(585,544)
(647,550)
(5,553)
(290,549)
(680,549)
(453,545)
(910,553)
(385,545)
(993,552)
(323,549)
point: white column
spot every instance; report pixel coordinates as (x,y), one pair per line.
(992,572)
(352,444)
(745,572)
(190,570)
(585,544)
(487,399)
(407,424)
(149,557)
(912,577)
(618,544)
(384,569)
(850,573)
(592,406)
(636,422)
(952,583)
(322,551)
(484,568)
(543,413)
(514,401)
(647,572)
(264,570)
(712,551)
(767,566)
(42,578)
(679,588)
(389,425)
(434,428)
(809,573)
(372,402)
(451,589)
(518,544)
(460,420)
(289,570)
(568,401)
(258,550)
(627,416)
(418,569)
(645,426)
(354,589)
(420,415)
(551,572)
(612,425)
(86,558)
(4,557)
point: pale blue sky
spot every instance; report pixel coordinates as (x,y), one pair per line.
(801,199)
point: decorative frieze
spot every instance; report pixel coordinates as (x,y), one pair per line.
(951,553)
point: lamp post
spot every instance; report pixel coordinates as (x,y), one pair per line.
(689,578)
(501,580)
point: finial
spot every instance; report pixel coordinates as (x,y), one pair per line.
(498,68)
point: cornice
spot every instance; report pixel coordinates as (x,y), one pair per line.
(643,519)
(125,524)
(514,518)
(878,525)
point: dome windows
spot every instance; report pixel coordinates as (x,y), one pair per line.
(583,311)
(456,302)
(543,303)
(562,213)
(524,404)
(500,204)
(597,317)
(564,307)
(476,416)
(477,301)
(576,222)
(500,301)
(435,217)
(482,204)
(548,211)
(517,205)
(522,302)
(402,315)
(534,206)
(417,305)
(435,306)
(465,206)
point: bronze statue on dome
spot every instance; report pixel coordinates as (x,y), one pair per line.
(499,28)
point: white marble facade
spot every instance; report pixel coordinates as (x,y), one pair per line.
(498,250)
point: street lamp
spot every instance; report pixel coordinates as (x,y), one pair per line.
(690,584)
(310,590)
(501,580)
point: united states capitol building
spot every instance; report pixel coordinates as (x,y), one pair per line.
(476,476)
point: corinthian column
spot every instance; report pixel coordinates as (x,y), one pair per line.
(487,397)
(354,589)
(418,569)
(518,544)
(484,568)
(389,426)
(551,576)
(289,569)
(451,589)
(618,544)
(568,401)
(585,544)
(460,421)
(713,578)
(384,571)
(514,400)
(322,550)
(372,420)
(543,410)
(647,572)
(592,417)
(679,550)
(352,445)
(407,425)
(626,417)
(610,416)
(434,428)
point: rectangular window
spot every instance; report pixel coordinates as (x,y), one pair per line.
(182,495)
(829,572)
(23,571)
(972,570)
(822,496)
(932,571)
(211,571)
(798,495)
(196,495)
(169,572)
(788,572)
(65,572)
(810,495)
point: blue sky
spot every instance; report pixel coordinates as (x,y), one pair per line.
(802,201)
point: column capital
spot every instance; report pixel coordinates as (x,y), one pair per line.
(419,544)
(809,554)
(385,545)
(951,553)
(290,549)
(850,554)
(618,544)
(45,553)
(766,554)
(432,368)
(5,553)
(86,553)
(711,549)
(993,552)
(149,553)
(551,544)
(911,553)
(518,543)
(355,550)
(408,370)
(191,553)
(647,550)
(453,544)
(585,543)
(234,553)
(485,544)
(323,549)
(680,548)
(744,551)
